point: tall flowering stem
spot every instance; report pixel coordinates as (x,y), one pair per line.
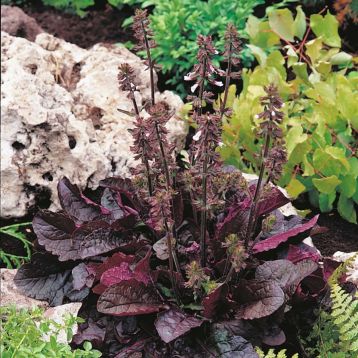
(204,71)
(159,116)
(144,36)
(141,146)
(231,56)
(207,158)
(269,128)
(161,217)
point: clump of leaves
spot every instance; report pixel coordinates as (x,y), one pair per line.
(26,333)
(176,261)
(15,249)
(320,122)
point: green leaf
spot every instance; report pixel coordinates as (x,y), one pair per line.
(294,136)
(327,28)
(300,70)
(346,209)
(348,185)
(313,49)
(299,23)
(295,188)
(259,54)
(338,154)
(326,185)
(281,21)
(341,58)
(326,201)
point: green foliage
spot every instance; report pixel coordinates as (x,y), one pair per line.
(271,354)
(321,114)
(335,334)
(79,6)
(23,335)
(177,23)
(10,260)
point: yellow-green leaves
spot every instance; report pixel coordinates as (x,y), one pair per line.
(321,109)
(326,185)
(295,188)
(299,24)
(327,28)
(281,22)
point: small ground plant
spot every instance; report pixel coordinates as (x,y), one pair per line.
(186,258)
(23,335)
(9,234)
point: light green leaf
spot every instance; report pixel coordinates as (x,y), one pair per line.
(299,23)
(259,54)
(326,185)
(326,201)
(313,49)
(295,188)
(294,136)
(281,21)
(327,28)
(309,170)
(341,58)
(292,56)
(339,154)
(348,185)
(324,67)
(346,209)
(300,70)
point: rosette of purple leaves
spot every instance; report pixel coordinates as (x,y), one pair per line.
(158,279)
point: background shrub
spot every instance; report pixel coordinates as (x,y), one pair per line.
(321,120)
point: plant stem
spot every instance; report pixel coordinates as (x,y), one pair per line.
(203,216)
(253,207)
(201,89)
(171,261)
(150,65)
(144,157)
(164,159)
(227,83)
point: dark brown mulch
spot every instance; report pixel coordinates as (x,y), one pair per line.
(341,235)
(101,24)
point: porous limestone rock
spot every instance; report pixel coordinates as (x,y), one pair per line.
(60,117)
(15,22)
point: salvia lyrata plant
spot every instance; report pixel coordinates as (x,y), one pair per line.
(185,258)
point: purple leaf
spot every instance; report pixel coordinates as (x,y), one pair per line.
(53,230)
(116,274)
(274,336)
(138,346)
(234,221)
(125,187)
(79,208)
(110,201)
(259,298)
(174,323)
(274,241)
(227,345)
(83,276)
(142,270)
(285,273)
(44,278)
(91,333)
(113,261)
(129,298)
(301,252)
(274,200)
(213,300)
